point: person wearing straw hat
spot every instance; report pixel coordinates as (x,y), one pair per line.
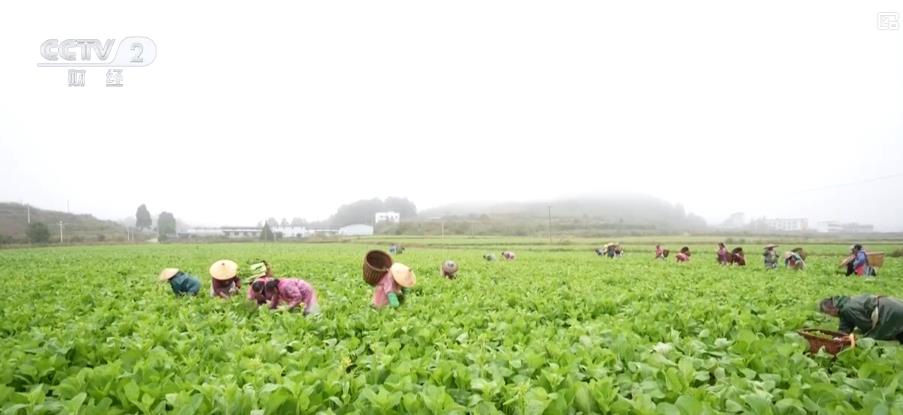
(392,286)
(449,269)
(180,282)
(293,292)
(877,316)
(770,256)
(683,255)
(261,272)
(225,278)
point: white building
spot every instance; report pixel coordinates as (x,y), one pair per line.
(241,231)
(204,232)
(387,217)
(291,231)
(783,225)
(356,230)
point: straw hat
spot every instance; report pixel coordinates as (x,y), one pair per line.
(224,269)
(403,275)
(168,273)
(770,246)
(258,270)
(449,267)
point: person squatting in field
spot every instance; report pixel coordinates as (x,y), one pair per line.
(293,292)
(876,316)
(770,256)
(393,285)
(180,282)
(508,255)
(261,272)
(225,281)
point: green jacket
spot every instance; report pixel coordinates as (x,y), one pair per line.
(183,283)
(859,311)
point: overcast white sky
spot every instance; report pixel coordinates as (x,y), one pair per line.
(265,109)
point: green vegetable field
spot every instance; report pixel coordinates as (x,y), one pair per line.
(90,330)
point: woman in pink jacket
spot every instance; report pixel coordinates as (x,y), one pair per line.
(292,292)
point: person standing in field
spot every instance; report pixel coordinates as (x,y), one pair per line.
(683,255)
(180,282)
(391,288)
(260,274)
(876,316)
(723,257)
(293,292)
(770,256)
(225,281)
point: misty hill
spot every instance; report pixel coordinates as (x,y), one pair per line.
(14,221)
(640,210)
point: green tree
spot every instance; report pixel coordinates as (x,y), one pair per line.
(267,234)
(38,233)
(166,224)
(143,218)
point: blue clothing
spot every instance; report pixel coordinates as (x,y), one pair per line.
(861,259)
(183,283)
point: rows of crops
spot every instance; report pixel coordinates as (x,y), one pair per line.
(88,330)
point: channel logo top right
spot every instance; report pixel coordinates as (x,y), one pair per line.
(888,21)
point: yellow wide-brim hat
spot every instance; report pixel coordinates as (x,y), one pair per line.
(168,273)
(403,275)
(770,246)
(224,269)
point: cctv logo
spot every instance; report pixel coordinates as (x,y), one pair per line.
(132,52)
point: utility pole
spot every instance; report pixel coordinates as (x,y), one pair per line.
(61,232)
(67,205)
(550,224)
(28,213)
(443,230)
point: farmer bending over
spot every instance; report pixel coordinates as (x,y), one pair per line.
(877,316)
(660,253)
(225,279)
(683,255)
(723,257)
(392,286)
(737,257)
(794,260)
(261,272)
(181,283)
(293,292)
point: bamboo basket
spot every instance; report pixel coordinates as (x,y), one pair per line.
(376,265)
(832,345)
